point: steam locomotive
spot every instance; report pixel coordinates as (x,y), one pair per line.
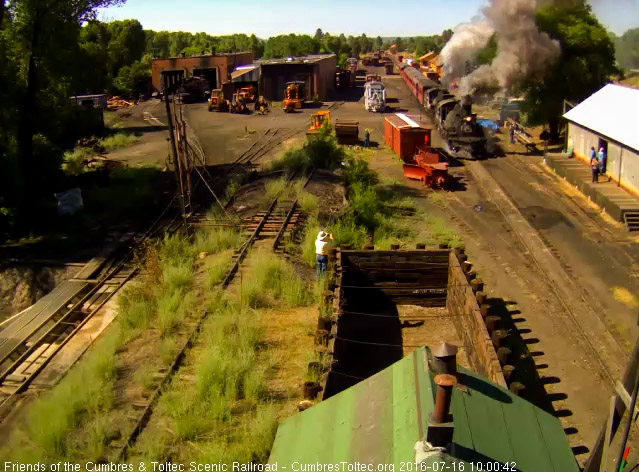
(458,126)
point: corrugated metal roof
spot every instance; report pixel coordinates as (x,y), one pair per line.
(246,74)
(310,59)
(379,421)
(613,112)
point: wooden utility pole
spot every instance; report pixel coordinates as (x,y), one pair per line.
(174,151)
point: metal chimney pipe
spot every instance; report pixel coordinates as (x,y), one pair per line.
(444,359)
(445,384)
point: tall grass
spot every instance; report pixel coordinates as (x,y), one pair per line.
(275,188)
(87,391)
(117,141)
(271,280)
(214,239)
(222,414)
(137,306)
(311,230)
(216,268)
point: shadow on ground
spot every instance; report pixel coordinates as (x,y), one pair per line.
(528,362)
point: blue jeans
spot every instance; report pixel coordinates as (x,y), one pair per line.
(322,264)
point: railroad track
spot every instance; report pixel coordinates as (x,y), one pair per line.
(22,359)
(280,217)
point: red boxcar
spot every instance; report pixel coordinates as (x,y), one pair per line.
(404,135)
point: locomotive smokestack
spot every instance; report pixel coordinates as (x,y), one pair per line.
(467,105)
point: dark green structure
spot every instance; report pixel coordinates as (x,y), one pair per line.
(380,420)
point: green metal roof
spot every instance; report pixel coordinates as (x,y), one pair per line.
(379,421)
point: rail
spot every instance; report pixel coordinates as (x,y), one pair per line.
(175,364)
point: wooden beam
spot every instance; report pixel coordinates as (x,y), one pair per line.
(625,398)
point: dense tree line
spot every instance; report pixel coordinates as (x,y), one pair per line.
(39,66)
(627,46)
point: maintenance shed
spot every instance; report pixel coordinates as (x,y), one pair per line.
(216,68)
(384,420)
(403,135)
(610,119)
(318,71)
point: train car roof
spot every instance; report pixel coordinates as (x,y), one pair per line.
(447,101)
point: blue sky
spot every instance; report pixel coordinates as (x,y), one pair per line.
(374,17)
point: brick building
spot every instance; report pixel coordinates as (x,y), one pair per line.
(216,68)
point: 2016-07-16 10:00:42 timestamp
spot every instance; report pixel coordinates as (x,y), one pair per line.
(458,467)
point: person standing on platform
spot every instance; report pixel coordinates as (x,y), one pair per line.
(594,166)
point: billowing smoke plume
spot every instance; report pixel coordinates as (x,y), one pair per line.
(522,50)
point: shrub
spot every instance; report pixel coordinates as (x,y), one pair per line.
(175,250)
(346,231)
(291,160)
(117,141)
(136,306)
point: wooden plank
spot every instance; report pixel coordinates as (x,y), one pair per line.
(625,397)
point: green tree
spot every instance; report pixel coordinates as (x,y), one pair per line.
(133,80)
(586,62)
(379,42)
(45,36)
(126,45)
(319,35)
(399,44)
(627,46)
(489,52)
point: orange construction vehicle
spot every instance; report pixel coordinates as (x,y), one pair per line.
(294,96)
(317,122)
(249,94)
(216,99)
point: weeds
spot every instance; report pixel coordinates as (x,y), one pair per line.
(117,141)
(222,415)
(216,268)
(275,188)
(212,240)
(270,280)
(311,230)
(321,152)
(86,391)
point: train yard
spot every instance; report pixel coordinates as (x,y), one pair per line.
(560,328)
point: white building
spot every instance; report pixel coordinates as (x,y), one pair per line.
(610,119)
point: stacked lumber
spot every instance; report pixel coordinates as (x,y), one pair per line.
(115,103)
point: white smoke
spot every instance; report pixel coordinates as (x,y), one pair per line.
(522,50)
(467,41)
